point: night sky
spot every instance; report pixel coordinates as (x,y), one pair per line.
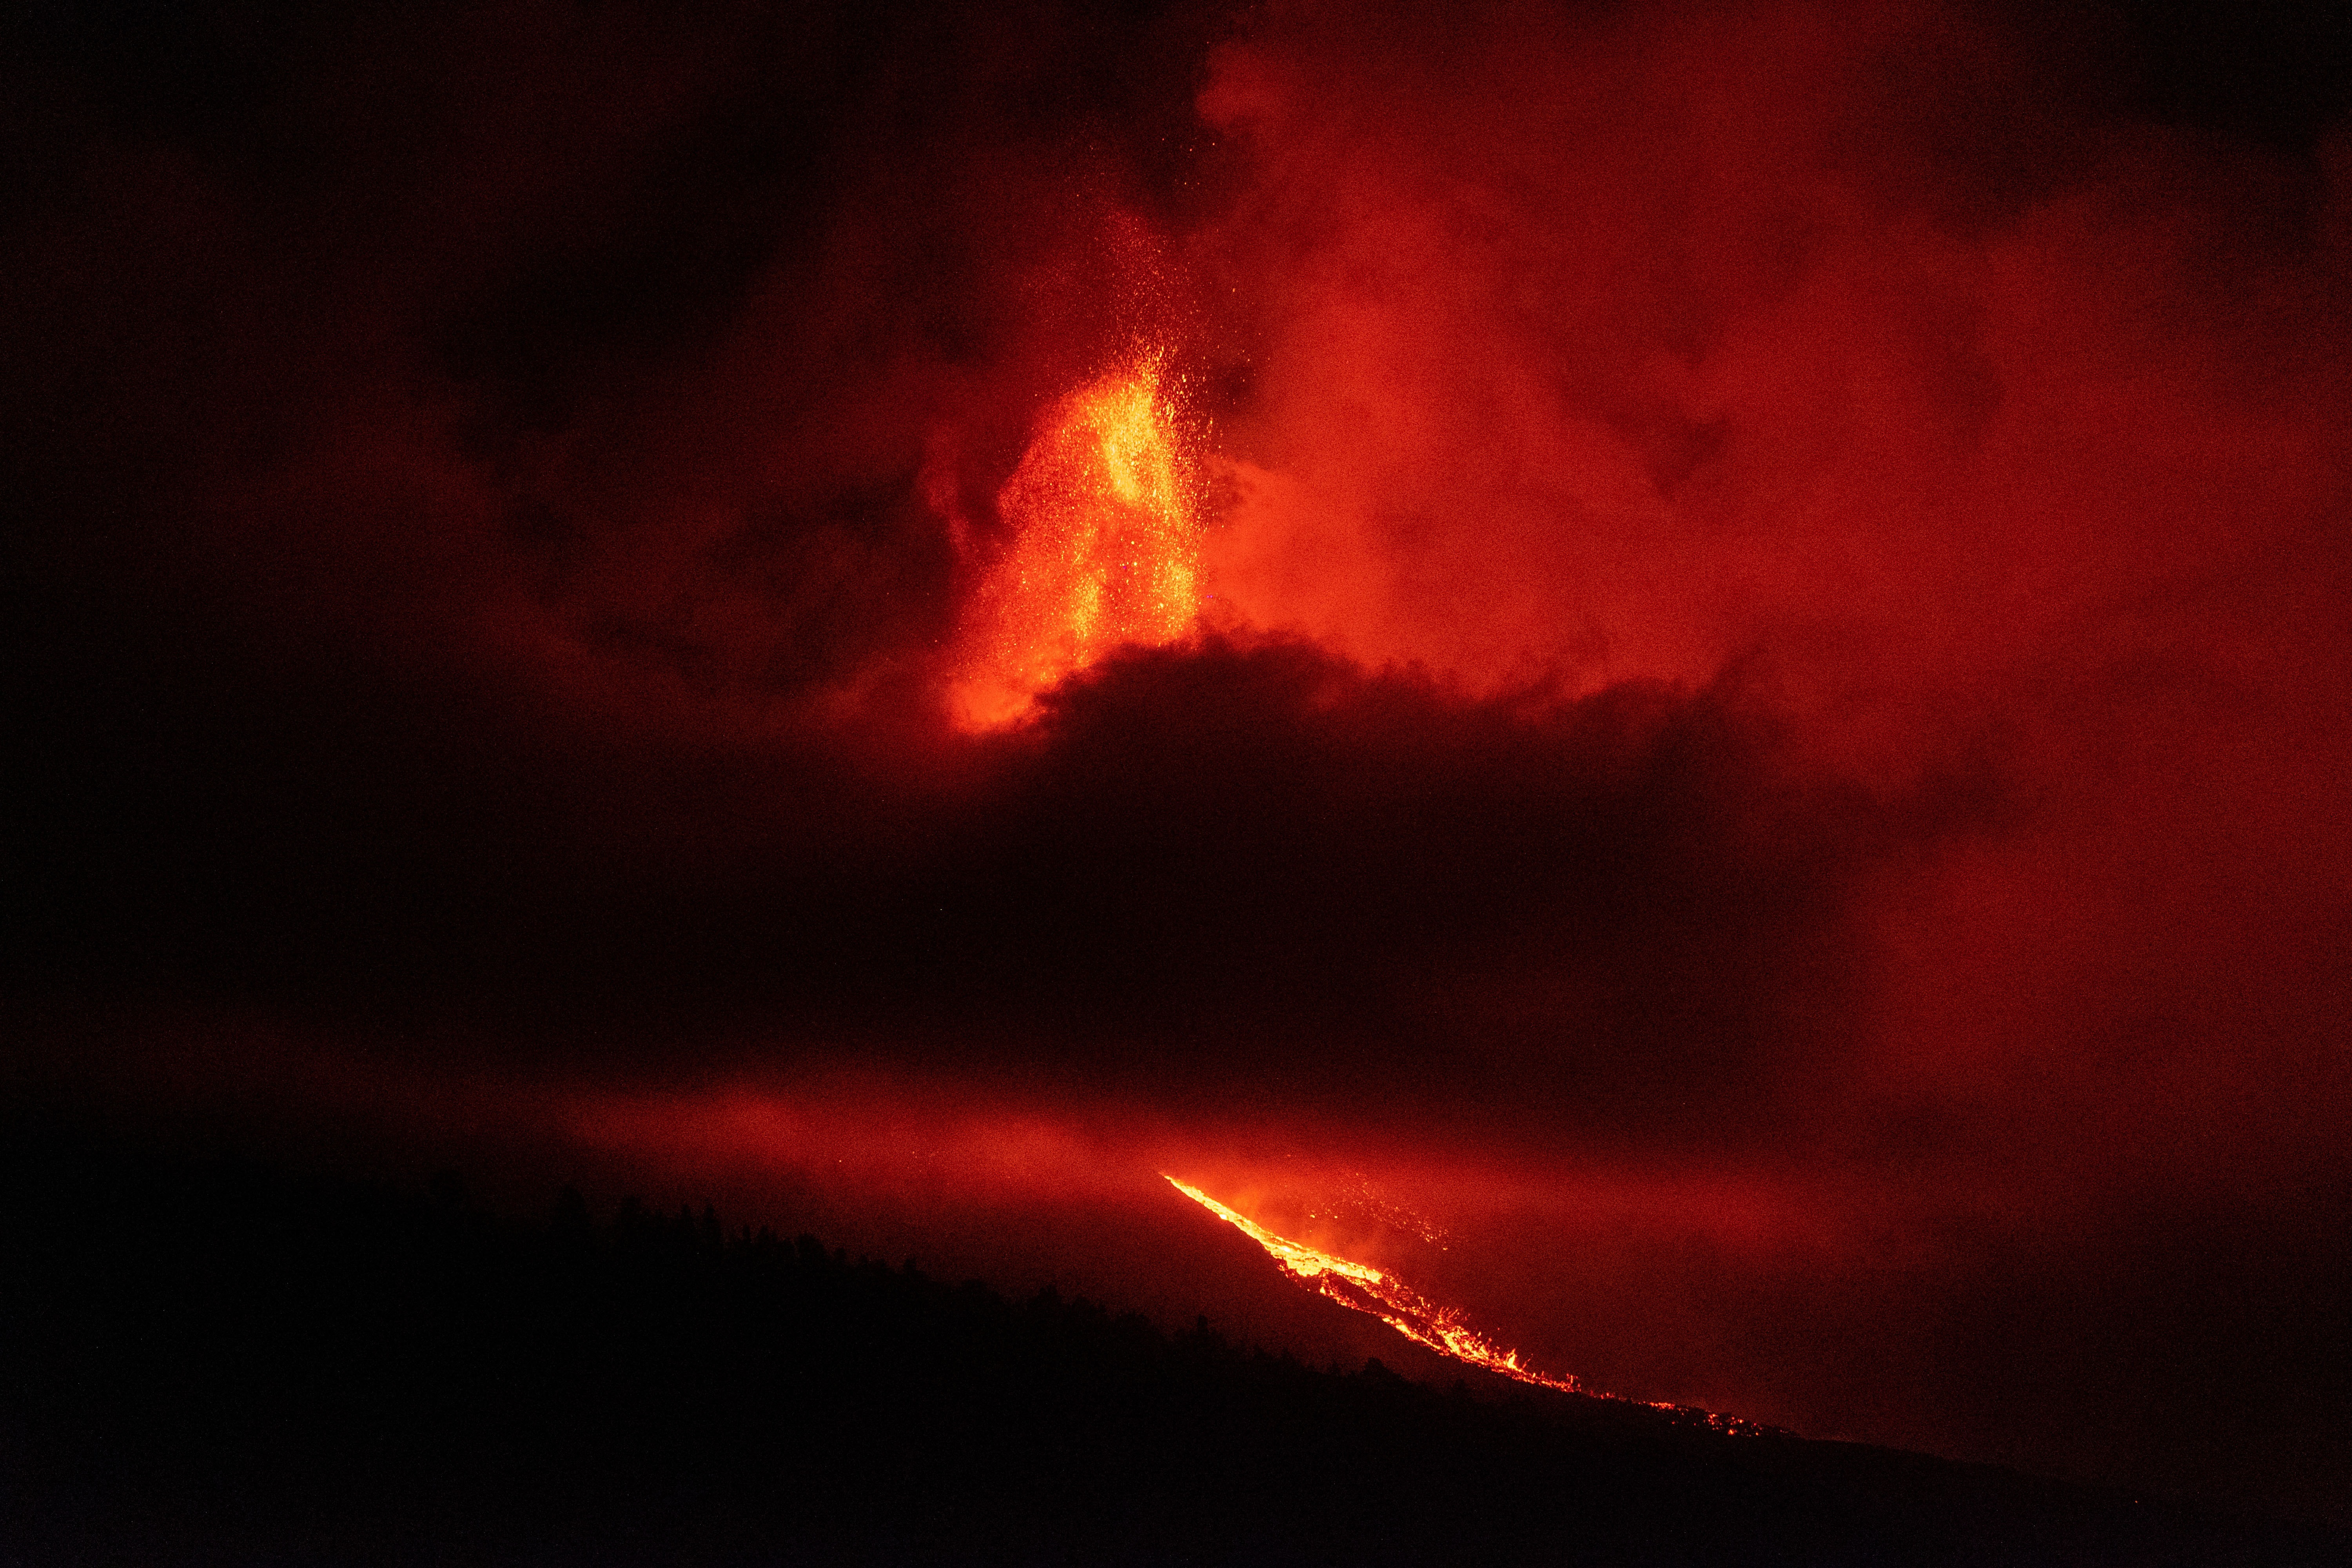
(1755,791)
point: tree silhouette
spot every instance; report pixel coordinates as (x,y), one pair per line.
(200,1358)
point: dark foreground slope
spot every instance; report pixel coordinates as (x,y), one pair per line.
(209,1363)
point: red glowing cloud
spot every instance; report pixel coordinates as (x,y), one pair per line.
(1706,645)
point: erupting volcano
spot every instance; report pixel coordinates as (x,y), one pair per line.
(1669,684)
(1105,545)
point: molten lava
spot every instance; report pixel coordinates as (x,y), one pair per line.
(1104,550)
(1389,1299)
(1384,1296)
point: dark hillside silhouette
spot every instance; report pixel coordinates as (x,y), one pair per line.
(209,1361)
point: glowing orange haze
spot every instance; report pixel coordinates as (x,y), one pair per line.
(1104,550)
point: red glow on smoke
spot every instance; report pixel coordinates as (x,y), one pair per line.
(1722,632)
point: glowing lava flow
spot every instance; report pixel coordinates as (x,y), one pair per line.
(1106,544)
(1389,1299)
(1384,1296)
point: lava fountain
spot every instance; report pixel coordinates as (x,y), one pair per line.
(1105,546)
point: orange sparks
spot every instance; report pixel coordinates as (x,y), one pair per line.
(1106,544)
